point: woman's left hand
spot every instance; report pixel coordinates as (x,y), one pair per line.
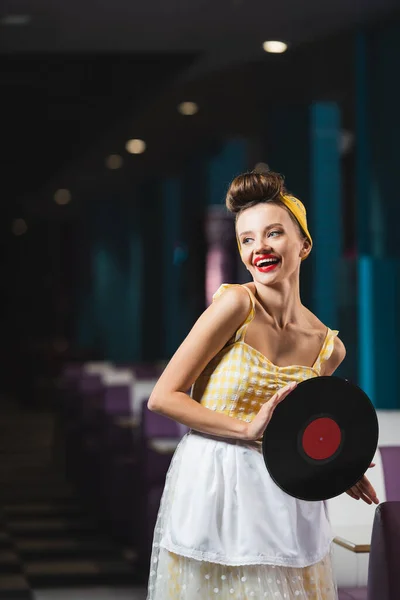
(363,490)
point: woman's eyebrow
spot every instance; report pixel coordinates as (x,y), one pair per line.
(268,227)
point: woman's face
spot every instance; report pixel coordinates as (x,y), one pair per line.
(270,243)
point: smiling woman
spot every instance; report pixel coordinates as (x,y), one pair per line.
(225,529)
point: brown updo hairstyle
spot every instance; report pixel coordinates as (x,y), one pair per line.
(253,188)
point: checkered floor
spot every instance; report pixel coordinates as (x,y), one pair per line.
(50,545)
(103,593)
(50,548)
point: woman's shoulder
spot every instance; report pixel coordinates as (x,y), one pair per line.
(234,295)
(339,349)
(230,309)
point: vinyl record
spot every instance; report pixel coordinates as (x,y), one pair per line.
(321,439)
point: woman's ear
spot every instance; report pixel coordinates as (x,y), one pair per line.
(306,249)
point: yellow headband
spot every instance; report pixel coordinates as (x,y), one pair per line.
(297,209)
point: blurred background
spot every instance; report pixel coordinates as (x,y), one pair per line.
(122,126)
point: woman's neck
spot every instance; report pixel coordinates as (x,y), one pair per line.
(282,303)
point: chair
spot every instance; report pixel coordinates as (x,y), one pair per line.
(353,521)
(383,572)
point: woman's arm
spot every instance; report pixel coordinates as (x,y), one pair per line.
(208,336)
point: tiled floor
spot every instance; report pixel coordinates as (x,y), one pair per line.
(51,548)
(100,593)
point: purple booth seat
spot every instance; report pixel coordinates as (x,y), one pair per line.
(383,569)
(113,403)
(82,464)
(114,407)
(143,370)
(384,562)
(154,464)
(67,386)
(90,390)
(116,399)
(390,456)
(101,455)
(391,469)
(87,387)
(157,426)
(71,372)
(120,485)
(118,438)
(353,593)
(109,451)
(81,397)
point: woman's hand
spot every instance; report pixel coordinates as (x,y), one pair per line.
(363,490)
(259,424)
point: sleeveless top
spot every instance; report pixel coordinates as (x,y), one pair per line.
(239,379)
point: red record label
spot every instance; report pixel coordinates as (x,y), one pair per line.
(321,438)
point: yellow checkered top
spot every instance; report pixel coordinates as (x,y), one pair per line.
(239,379)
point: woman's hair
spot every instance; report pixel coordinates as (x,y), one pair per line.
(253,188)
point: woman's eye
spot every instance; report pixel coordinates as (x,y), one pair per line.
(246,240)
(272,232)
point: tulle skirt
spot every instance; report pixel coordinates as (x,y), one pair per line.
(179,578)
(225,530)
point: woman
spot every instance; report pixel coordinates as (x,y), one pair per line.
(224,529)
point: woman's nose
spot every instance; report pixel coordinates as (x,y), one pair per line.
(262,245)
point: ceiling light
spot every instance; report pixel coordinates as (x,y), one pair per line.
(188,108)
(62,197)
(275,47)
(261,167)
(15,20)
(19,227)
(114,161)
(346,141)
(135,146)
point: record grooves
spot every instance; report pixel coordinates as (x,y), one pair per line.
(321,439)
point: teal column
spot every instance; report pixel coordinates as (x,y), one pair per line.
(303,144)
(378,213)
(152,224)
(225,163)
(109,314)
(325,217)
(117,277)
(132,323)
(194,202)
(174,255)
(379,330)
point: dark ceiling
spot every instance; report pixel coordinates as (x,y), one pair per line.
(55,106)
(78,80)
(177,25)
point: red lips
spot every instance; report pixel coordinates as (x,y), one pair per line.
(266,267)
(263,257)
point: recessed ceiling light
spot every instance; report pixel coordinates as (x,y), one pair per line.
(261,167)
(135,146)
(19,227)
(15,20)
(275,47)
(188,108)
(114,161)
(62,197)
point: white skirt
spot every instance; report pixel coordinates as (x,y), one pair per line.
(225,529)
